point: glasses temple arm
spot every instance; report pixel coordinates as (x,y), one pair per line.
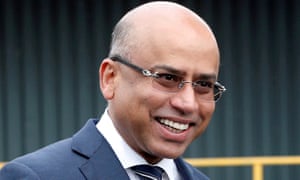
(125,62)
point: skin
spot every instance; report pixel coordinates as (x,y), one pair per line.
(172,37)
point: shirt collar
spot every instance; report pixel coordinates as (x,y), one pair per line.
(126,155)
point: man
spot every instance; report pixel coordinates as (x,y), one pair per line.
(160,81)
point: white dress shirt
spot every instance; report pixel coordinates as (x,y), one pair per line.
(127,156)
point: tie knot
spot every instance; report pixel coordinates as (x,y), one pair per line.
(146,172)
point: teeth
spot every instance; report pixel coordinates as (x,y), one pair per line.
(174,125)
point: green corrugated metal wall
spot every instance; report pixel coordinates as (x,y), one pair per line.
(50,51)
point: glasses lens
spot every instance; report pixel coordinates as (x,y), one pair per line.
(204,90)
(171,83)
(166,82)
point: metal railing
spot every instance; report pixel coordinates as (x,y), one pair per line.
(1,164)
(257,163)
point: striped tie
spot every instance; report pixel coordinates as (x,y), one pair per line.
(147,172)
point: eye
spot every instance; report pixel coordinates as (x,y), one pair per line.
(166,80)
(204,84)
(168,77)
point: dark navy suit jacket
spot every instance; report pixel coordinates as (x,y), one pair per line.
(87,155)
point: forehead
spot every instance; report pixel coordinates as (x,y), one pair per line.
(190,55)
(184,43)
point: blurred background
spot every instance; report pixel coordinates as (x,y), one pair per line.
(50,52)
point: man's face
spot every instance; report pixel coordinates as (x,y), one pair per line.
(159,124)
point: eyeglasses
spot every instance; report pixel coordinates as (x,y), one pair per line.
(167,82)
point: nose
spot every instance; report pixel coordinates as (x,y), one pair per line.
(185,100)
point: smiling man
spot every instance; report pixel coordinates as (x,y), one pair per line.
(160,82)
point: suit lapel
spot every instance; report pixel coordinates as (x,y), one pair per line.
(183,169)
(101,161)
(188,172)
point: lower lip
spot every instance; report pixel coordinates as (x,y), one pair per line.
(173,136)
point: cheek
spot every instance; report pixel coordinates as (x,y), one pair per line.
(206,112)
(154,101)
(148,96)
(209,109)
(138,99)
(205,108)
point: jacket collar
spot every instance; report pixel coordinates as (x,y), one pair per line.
(101,162)
(188,172)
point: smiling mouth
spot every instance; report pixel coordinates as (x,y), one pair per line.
(175,127)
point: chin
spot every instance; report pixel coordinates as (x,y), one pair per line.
(170,153)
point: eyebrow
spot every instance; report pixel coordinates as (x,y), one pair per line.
(208,77)
(169,69)
(173,70)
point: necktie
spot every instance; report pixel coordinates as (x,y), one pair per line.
(147,172)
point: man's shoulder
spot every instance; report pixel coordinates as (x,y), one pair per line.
(52,154)
(48,161)
(60,153)
(48,154)
(58,159)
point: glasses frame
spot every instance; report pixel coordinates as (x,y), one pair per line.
(148,73)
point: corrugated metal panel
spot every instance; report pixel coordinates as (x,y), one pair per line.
(50,53)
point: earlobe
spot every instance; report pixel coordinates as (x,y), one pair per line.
(107,78)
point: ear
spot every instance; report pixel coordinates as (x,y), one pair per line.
(107,75)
